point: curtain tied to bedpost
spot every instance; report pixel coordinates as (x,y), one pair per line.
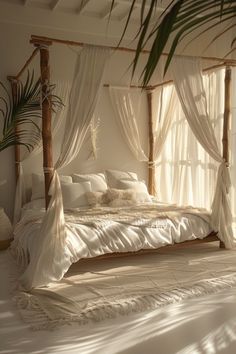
(49,252)
(188,82)
(221,217)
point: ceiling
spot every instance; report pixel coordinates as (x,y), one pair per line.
(84,20)
(89,18)
(97,9)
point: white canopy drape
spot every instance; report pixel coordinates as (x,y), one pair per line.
(83,98)
(123,102)
(49,251)
(189,86)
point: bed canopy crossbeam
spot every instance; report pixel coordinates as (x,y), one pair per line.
(27,63)
(38,39)
(42,47)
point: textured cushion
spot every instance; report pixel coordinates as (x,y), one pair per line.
(97,198)
(38,185)
(74,194)
(113,193)
(120,197)
(97,180)
(114,176)
(137,186)
(125,197)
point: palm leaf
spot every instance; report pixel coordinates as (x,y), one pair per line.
(179,20)
(21,112)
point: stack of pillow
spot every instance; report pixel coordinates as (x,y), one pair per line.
(112,188)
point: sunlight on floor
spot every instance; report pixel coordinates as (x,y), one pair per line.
(202,325)
(214,342)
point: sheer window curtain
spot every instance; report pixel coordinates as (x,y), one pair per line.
(49,251)
(189,86)
(186,174)
(164,103)
(233,148)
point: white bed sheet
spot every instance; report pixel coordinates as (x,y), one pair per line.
(95,232)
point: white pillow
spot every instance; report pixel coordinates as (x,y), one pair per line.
(139,187)
(114,176)
(74,194)
(97,180)
(38,185)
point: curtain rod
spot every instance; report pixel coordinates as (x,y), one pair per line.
(204,70)
(153,87)
(49,40)
(130,86)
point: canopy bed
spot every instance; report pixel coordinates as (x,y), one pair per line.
(134,232)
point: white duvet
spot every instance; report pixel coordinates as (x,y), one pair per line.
(97,231)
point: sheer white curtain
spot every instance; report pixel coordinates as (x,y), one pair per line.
(49,251)
(124,101)
(233,148)
(189,86)
(62,91)
(185,173)
(164,103)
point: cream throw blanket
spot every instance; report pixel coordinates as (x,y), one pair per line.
(99,289)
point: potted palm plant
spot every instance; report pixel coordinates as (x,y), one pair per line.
(19,114)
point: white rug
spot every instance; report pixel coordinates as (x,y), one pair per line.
(106,288)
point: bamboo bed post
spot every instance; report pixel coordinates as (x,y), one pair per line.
(226,123)
(151,169)
(46,117)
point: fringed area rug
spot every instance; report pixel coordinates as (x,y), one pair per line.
(101,289)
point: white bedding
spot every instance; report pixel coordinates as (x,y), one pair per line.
(97,231)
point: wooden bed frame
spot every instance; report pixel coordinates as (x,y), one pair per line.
(42,45)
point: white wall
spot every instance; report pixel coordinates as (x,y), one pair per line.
(15,49)
(112,152)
